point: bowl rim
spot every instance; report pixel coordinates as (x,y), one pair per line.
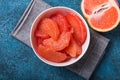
(58,64)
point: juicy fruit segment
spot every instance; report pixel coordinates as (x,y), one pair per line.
(78,26)
(41,34)
(102,15)
(51,55)
(73,49)
(61,21)
(50,27)
(59,44)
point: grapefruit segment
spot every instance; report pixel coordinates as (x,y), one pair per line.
(51,55)
(50,27)
(60,44)
(78,26)
(61,21)
(73,49)
(41,34)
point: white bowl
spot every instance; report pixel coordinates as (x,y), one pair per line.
(47,13)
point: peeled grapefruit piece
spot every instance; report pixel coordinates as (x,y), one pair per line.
(61,21)
(50,27)
(102,15)
(79,29)
(40,34)
(60,44)
(73,49)
(51,55)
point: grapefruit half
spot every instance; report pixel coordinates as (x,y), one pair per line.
(102,15)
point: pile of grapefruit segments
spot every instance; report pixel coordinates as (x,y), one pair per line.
(102,15)
(60,37)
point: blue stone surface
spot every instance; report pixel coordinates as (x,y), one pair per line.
(18,62)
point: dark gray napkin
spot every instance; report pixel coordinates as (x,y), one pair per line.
(83,67)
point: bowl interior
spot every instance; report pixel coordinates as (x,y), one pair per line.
(48,13)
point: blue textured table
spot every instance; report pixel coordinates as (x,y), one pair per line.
(18,62)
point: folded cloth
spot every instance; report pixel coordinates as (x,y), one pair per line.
(85,66)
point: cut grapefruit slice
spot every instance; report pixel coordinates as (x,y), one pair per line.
(102,15)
